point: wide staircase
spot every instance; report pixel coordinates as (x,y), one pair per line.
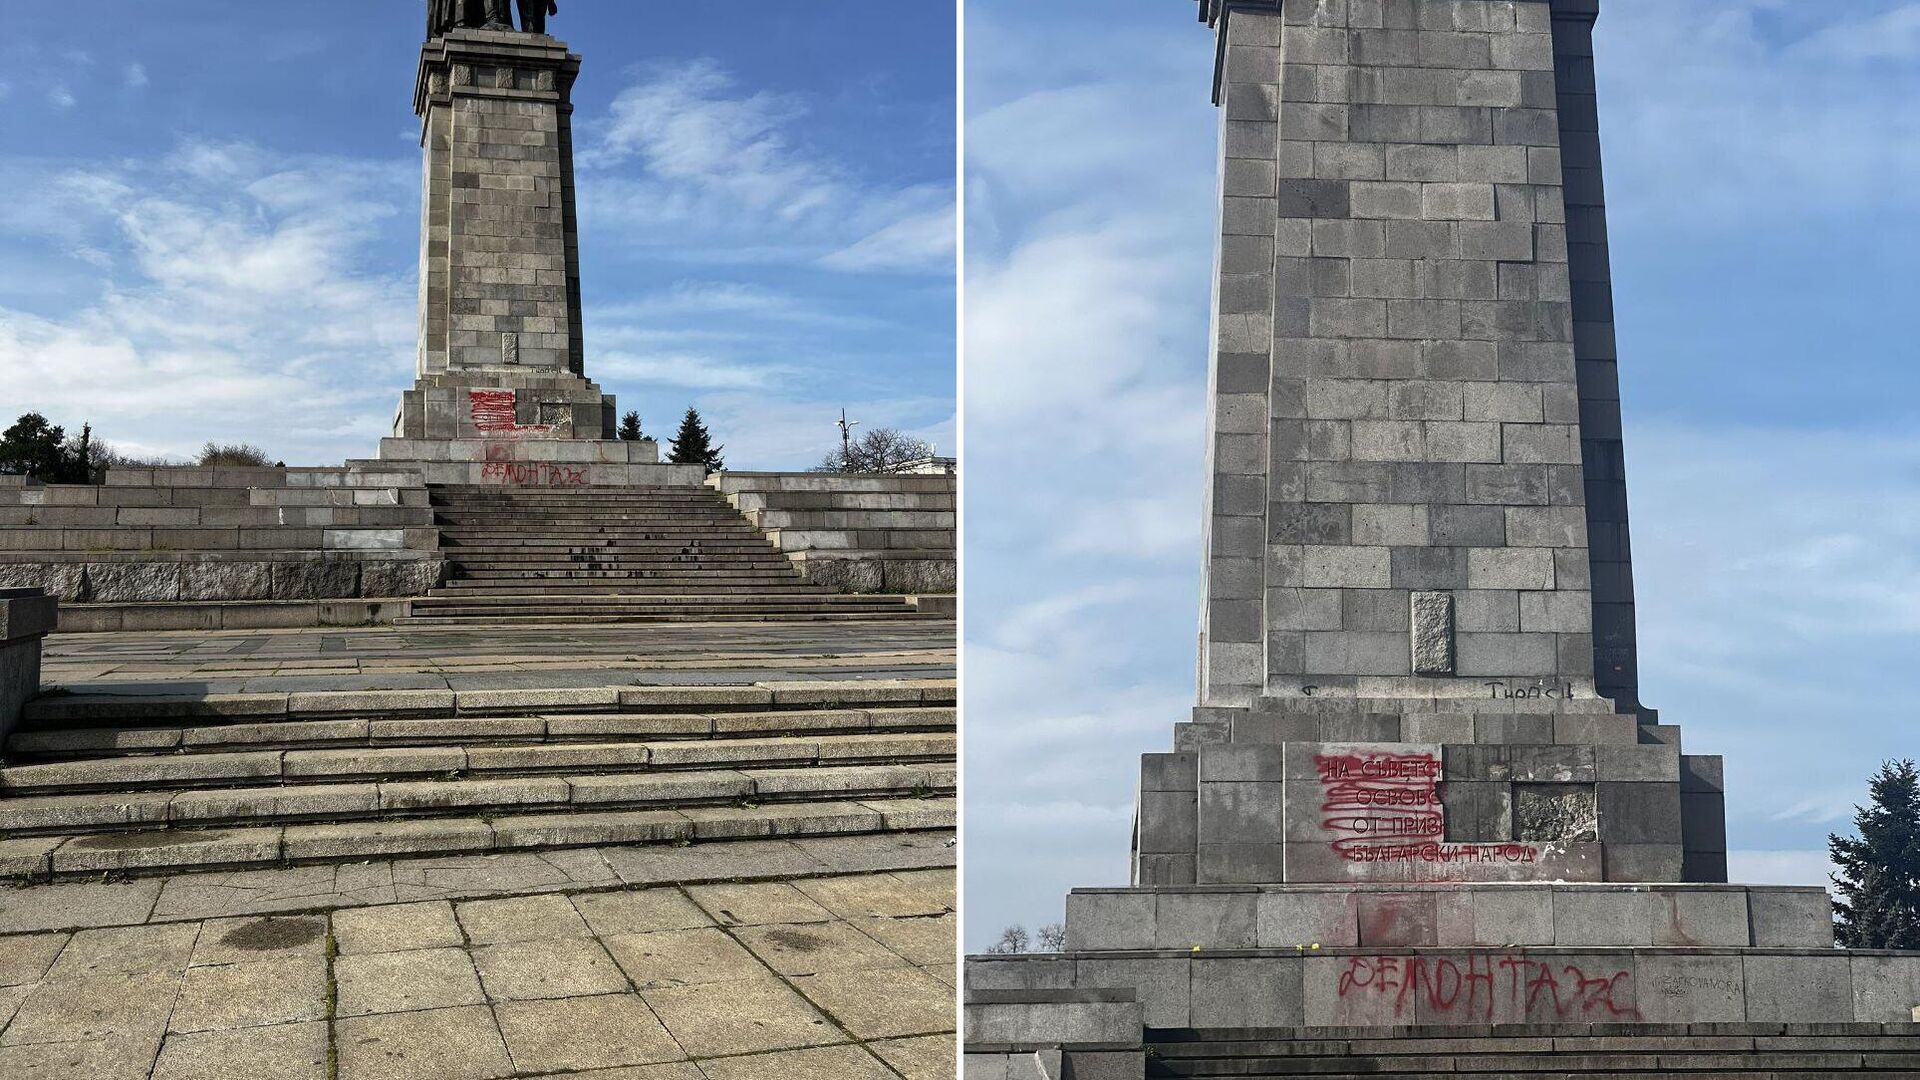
(663,554)
(94,785)
(1644,1051)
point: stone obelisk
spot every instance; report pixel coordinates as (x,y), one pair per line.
(500,394)
(1416,527)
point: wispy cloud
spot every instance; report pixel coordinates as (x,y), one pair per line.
(1739,107)
(686,154)
(1088,254)
(237,306)
(1893,34)
(60,97)
(135,76)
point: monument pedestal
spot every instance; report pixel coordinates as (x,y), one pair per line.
(499,395)
(1419,791)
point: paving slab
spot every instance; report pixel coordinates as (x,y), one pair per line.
(282,1052)
(671,958)
(760,903)
(840,1062)
(526,918)
(129,950)
(406,981)
(537,970)
(252,994)
(879,1003)
(584,1033)
(107,1058)
(245,940)
(740,1016)
(928,1057)
(438,1044)
(396,928)
(606,980)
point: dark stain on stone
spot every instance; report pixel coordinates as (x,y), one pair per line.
(267,935)
(797,940)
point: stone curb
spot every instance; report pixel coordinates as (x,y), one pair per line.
(828,866)
(43,859)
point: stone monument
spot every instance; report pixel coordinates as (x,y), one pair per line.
(500,393)
(1418,724)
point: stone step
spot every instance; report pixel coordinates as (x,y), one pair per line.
(671,599)
(1744,1050)
(464,621)
(592,583)
(585,523)
(113,811)
(591,575)
(541,536)
(148,851)
(1557,1066)
(600,496)
(92,742)
(485,515)
(509,607)
(118,710)
(640,611)
(167,771)
(614,590)
(675,564)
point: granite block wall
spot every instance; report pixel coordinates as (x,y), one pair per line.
(1398,489)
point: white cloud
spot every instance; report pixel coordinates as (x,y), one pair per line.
(1738,107)
(1089,218)
(135,76)
(682,369)
(60,97)
(236,305)
(716,306)
(921,241)
(1893,34)
(683,125)
(716,160)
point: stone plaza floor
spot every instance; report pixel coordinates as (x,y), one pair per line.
(385,657)
(791,956)
(847,976)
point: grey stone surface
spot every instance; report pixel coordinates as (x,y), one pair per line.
(133,582)
(1432,620)
(1792,919)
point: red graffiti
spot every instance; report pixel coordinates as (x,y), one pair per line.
(532,472)
(1442,985)
(495,414)
(1385,807)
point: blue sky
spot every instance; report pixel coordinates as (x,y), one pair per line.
(212,213)
(1763,178)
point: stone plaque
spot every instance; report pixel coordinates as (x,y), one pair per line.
(1432,629)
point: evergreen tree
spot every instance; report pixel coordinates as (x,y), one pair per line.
(630,427)
(1879,876)
(35,448)
(693,444)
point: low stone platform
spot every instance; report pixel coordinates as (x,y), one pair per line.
(811,960)
(856,533)
(1775,1051)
